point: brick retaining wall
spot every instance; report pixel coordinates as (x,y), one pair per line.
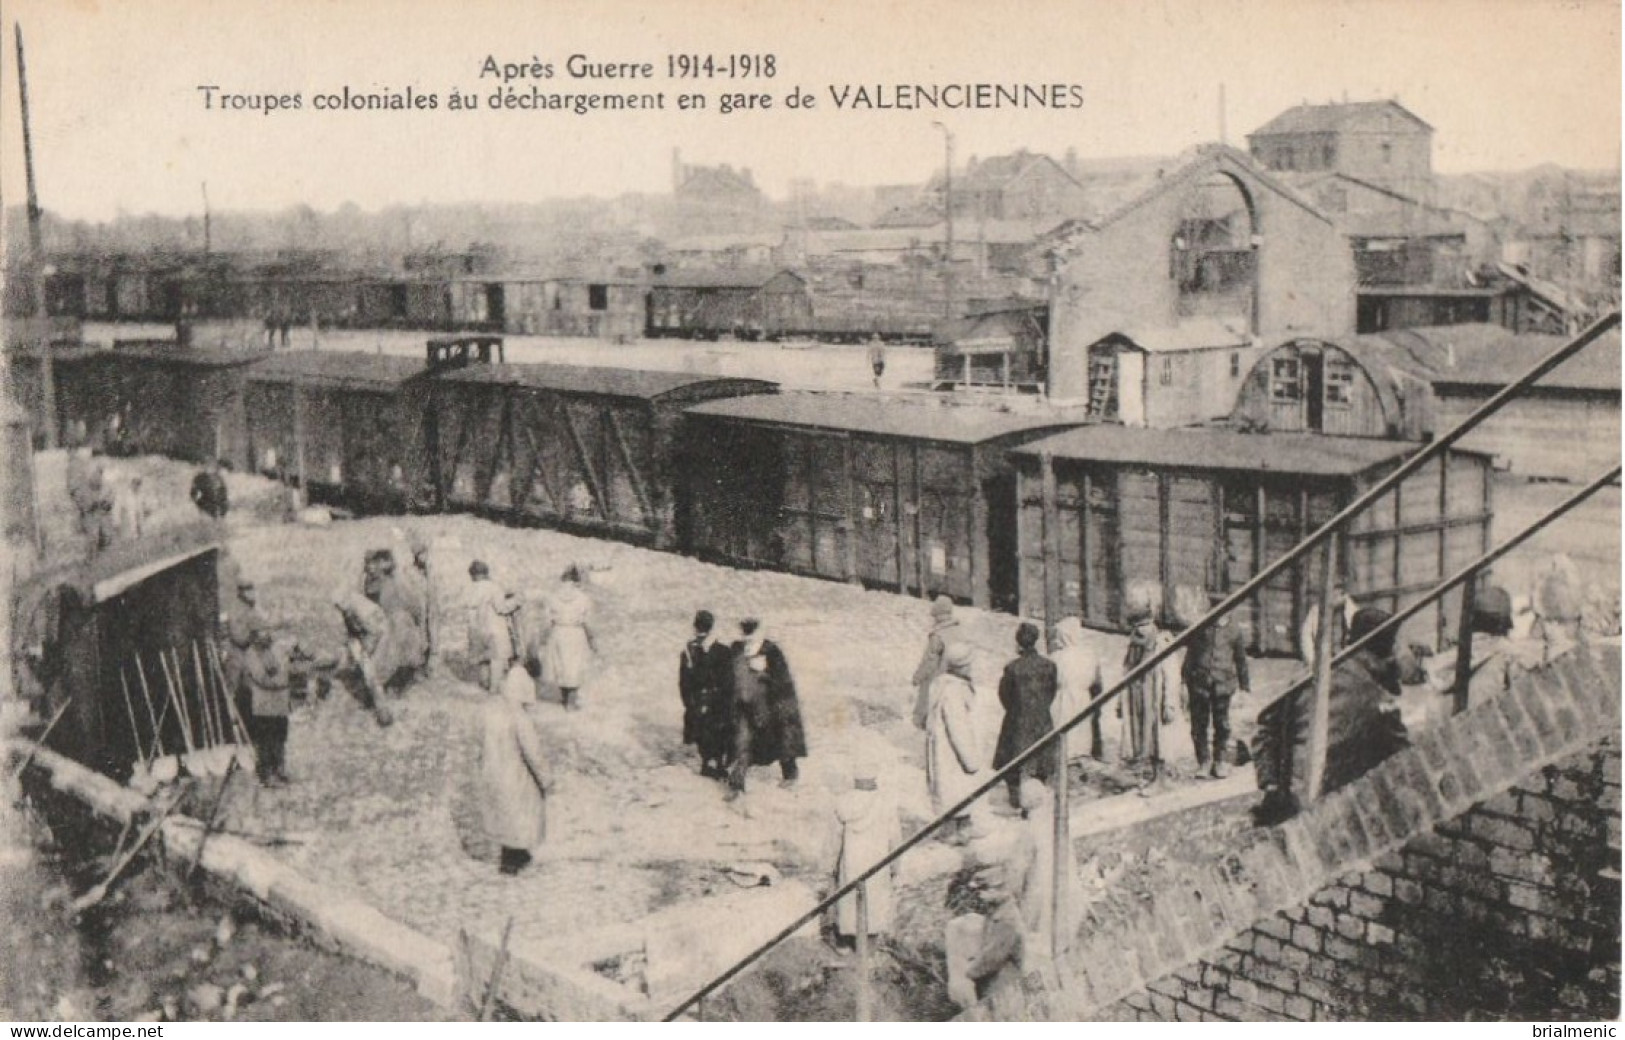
(1443,818)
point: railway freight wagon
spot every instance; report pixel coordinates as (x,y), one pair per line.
(348,427)
(710,304)
(182,402)
(1164,516)
(914,497)
(590,449)
(74,372)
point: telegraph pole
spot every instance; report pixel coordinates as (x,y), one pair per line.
(36,246)
(948,217)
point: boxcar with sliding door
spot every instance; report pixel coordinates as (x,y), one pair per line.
(183,402)
(894,494)
(350,427)
(1164,516)
(591,449)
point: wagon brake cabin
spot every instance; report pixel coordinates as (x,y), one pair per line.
(894,494)
(349,426)
(594,449)
(1165,516)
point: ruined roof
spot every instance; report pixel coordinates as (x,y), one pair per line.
(1299,454)
(636,383)
(1352,116)
(928,420)
(1190,167)
(338,369)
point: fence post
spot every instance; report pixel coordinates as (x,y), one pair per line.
(1464,642)
(865,1012)
(1320,709)
(1061,865)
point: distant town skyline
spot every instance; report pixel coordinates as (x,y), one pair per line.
(120,125)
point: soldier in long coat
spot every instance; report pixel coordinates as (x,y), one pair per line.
(1027,689)
(767,714)
(569,638)
(418,582)
(367,644)
(704,683)
(514,775)
(1078,682)
(953,749)
(490,632)
(943,628)
(1146,705)
(404,608)
(867,829)
(243,617)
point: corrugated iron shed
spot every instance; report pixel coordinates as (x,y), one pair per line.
(852,413)
(1301,454)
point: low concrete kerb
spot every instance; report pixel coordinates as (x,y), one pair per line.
(330,918)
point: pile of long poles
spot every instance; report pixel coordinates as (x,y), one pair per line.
(190,723)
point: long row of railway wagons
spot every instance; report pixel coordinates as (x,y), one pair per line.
(708,304)
(918,495)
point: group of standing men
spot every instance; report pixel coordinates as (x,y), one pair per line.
(390,638)
(1037,692)
(739,704)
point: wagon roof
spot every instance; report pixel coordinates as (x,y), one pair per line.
(639,383)
(731,278)
(170,353)
(1301,454)
(338,368)
(854,413)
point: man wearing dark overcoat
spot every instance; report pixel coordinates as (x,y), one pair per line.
(1027,689)
(767,714)
(704,682)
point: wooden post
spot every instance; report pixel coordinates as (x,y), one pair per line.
(1320,709)
(1444,541)
(897,517)
(865,1010)
(920,577)
(854,517)
(1464,643)
(1061,864)
(1085,519)
(1165,569)
(980,566)
(1261,546)
(1052,543)
(302,498)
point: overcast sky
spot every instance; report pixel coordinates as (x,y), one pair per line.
(120,125)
